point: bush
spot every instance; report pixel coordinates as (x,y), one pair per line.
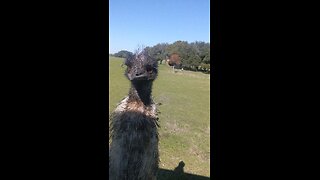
(123,54)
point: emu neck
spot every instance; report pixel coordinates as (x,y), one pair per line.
(140,91)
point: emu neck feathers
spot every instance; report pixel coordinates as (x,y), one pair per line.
(140,92)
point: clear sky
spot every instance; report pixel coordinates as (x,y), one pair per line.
(133,23)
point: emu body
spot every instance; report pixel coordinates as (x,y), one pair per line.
(133,151)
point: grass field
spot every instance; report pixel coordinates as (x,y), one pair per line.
(184,118)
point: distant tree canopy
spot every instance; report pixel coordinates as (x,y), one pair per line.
(193,56)
(123,54)
(175,60)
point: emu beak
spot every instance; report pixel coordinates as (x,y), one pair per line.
(137,77)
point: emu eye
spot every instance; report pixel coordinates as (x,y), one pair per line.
(149,68)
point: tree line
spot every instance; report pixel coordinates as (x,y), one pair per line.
(194,56)
(122,54)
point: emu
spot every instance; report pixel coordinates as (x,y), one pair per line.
(133,149)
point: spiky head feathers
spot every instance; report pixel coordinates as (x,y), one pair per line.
(141,66)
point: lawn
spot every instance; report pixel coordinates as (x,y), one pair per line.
(184,118)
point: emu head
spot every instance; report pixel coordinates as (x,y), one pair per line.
(141,67)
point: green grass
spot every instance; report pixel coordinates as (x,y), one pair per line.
(184,118)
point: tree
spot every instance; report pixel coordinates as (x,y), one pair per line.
(158,51)
(206,59)
(192,55)
(123,54)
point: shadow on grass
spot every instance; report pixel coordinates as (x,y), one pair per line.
(178,174)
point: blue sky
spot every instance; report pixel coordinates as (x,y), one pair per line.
(133,23)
